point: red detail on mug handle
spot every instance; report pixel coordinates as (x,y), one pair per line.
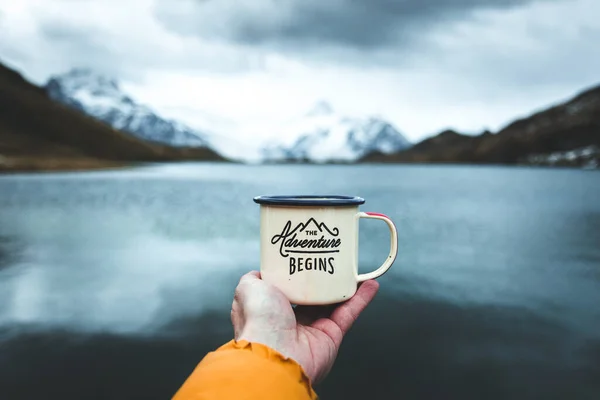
(378,214)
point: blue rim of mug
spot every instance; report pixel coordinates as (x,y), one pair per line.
(309,200)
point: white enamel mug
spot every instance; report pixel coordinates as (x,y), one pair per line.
(309,246)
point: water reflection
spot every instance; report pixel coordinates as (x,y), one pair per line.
(408,347)
(124,279)
(9,251)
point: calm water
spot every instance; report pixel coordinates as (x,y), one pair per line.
(113,285)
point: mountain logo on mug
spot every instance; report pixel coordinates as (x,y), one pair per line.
(306,239)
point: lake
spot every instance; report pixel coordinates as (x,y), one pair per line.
(113,285)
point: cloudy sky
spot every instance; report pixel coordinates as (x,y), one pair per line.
(425,65)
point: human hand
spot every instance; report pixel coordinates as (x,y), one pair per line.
(311,335)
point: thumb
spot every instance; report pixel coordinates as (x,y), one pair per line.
(238,315)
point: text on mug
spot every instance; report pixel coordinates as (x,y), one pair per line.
(298,264)
(289,242)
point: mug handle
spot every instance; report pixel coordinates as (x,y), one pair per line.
(393,246)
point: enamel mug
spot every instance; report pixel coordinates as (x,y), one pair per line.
(309,246)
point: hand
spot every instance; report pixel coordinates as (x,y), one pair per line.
(311,335)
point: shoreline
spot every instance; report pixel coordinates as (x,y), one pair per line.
(40,165)
(35,166)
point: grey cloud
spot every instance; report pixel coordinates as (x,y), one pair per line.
(67,46)
(558,61)
(356,24)
(82,46)
(8,52)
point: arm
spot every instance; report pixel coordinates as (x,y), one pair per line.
(278,351)
(244,370)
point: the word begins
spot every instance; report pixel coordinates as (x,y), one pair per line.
(298,264)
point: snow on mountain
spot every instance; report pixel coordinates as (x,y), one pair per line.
(101,97)
(322,135)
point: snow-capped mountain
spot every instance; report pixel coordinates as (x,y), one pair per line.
(322,135)
(102,98)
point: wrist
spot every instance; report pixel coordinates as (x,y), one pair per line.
(283,342)
(268,338)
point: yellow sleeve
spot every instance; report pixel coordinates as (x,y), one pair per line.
(246,371)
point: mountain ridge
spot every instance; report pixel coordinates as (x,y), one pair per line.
(320,135)
(102,97)
(324,136)
(37,133)
(573,124)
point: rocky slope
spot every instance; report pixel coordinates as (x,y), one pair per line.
(570,126)
(102,98)
(37,133)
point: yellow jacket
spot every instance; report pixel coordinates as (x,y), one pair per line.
(246,371)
